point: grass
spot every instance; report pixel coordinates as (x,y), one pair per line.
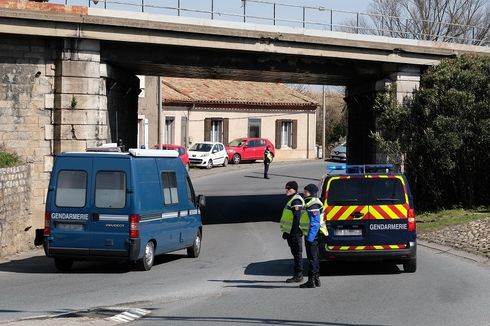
(8,160)
(433,221)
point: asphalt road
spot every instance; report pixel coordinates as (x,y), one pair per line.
(239,277)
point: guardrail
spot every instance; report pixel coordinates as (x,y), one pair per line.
(306,17)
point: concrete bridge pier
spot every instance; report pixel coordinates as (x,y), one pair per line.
(361,118)
(94,103)
(80,105)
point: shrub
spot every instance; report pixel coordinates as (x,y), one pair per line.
(8,159)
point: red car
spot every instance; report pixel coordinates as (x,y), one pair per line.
(184,156)
(248,149)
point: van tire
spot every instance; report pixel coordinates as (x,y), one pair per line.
(410,266)
(63,265)
(148,259)
(225,162)
(236,158)
(194,250)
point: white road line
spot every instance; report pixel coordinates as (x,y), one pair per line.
(129,315)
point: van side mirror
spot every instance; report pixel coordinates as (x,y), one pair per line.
(201,201)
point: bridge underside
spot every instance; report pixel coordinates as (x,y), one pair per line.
(172,61)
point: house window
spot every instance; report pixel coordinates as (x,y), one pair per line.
(184,132)
(254,128)
(169,129)
(286,133)
(216,130)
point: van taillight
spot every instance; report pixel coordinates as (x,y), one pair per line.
(47,223)
(134,226)
(411,219)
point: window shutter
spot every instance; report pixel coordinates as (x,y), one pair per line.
(207,129)
(294,135)
(225,137)
(278,134)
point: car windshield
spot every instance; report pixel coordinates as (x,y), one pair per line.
(201,147)
(236,143)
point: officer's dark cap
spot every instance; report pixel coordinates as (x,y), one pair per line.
(312,189)
(292,185)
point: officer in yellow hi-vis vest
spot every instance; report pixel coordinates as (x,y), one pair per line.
(290,226)
(313,213)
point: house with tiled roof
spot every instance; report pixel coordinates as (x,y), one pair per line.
(221,110)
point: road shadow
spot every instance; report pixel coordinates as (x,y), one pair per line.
(45,265)
(291,177)
(243,208)
(193,320)
(284,268)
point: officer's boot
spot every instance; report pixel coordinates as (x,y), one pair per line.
(309,284)
(316,278)
(297,278)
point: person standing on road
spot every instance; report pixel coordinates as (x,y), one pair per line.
(313,213)
(268,157)
(291,231)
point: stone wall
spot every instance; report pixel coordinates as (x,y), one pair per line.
(27,73)
(16,231)
(54,97)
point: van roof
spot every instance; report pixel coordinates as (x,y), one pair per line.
(133,152)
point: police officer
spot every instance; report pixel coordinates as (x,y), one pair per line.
(290,226)
(313,213)
(267,161)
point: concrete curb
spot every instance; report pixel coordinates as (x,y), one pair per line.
(455,252)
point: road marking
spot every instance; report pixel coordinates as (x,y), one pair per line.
(129,315)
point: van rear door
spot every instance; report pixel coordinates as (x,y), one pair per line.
(347,213)
(109,217)
(388,211)
(68,205)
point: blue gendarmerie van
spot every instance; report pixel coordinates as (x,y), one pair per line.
(120,206)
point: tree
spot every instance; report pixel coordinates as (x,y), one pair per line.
(445,133)
(458,21)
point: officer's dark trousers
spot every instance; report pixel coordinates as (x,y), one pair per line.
(266,169)
(296,245)
(312,255)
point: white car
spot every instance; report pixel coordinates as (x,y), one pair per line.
(208,154)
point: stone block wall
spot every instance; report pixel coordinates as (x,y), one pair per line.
(16,230)
(27,73)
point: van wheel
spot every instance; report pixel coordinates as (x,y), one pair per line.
(146,262)
(236,159)
(225,162)
(194,250)
(410,266)
(210,164)
(63,265)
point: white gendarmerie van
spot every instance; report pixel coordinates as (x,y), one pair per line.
(109,205)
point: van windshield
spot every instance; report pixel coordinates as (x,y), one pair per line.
(71,188)
(201,147)
(365,191)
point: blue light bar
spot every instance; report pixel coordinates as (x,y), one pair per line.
(361,168)
(336,167)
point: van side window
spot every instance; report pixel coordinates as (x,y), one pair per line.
(169,184)
(71,188)
(110,189)
(191,195)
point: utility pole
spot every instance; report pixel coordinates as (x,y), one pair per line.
(323,122)
(159,99)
